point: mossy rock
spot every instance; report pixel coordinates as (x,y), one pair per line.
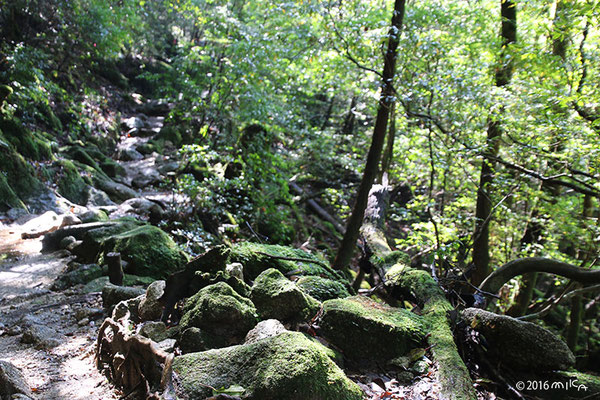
(275,296)
(19,177)
(148,251)
(194,339)
(71,185)
(322,288)
(520,345)
(94,215)
(112,168)
(9,198)
(170,133)
(578,384)
(82,275)
(79,154)
(287,366)
(219,310)
(25,142)
(93,239)
(257,258)
(369,331)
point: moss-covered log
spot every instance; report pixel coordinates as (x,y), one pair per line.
(402,281)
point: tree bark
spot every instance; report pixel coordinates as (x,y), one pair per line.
(481,251)
(386,99)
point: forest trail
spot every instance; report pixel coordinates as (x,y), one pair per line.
(50,335)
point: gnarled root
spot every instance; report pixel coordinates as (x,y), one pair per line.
(133,362)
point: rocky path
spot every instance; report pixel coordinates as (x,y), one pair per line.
(47,337)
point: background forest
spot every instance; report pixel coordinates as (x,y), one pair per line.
(492,145)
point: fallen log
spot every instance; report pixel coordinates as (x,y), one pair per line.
(403,282)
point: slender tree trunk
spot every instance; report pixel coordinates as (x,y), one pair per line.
(348,126)
(386,99)
(481,251)
(388,154)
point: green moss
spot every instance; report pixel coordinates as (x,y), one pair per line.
(19,178)
(277,297)
(287,366)
(359,326)
(25,142)
(8,196)
(148,250)
(97,284)
(576,391)
(218,309)
(255,259)
(172,134)
(70,183)
(322,288)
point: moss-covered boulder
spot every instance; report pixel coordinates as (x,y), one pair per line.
(18,180)
(322,288)
(193,340)
(277,297)
(256,258)
(219,310)
(71,184)
(287,366)
(26,143)
(79,274)
(148,251)
(519,344)
(366,330)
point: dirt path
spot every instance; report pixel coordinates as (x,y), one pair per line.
(65,369)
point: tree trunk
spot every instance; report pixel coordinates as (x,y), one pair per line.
(481,250)
(388,154)
(386,99)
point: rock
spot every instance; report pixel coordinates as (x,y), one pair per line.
(42,336)
(128,280)
(518,344)
(235,270)
(287,366)
(132,123)
(322,288)
(147,249)
(264,329)
(150,307)
(12,381)
(129,154)
(83,322)
(112,294)
(277,297)
(219,310)
(254,257)
(146,178)
(369,331)
(141,206)
(156,331)
(66,241)
(47,223)
(97,198)
(81,275)
(51,241)
(155,107)
(93,215)
(171,166)
(194,339)
(117,191)
(167,345)
(20,397)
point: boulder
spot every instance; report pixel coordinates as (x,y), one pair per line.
(150,307)
(265,329)
(113,294)
(129,154)
(322,288)
(287,366)
(147,249)
(277,297)
(81,274)
(127,309)
(194,339)
(369,331)
(156,331)
(117,191)
(518,344)
(41,336)
(219,310)
(97,198)
(256,258)
(12,381)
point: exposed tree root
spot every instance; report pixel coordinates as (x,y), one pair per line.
(521,266)
(134,362)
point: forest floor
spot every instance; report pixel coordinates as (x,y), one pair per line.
(60,365)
